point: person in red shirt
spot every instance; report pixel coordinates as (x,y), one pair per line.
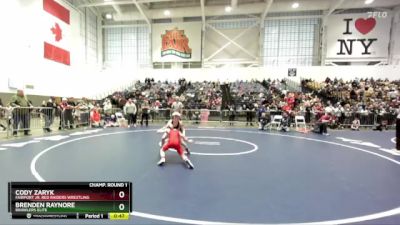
(175,142)
(321,126)
(318,110)
(290,100)
(95,117)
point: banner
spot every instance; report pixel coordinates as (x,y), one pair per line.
(176,42)
(358,37)
(57,32)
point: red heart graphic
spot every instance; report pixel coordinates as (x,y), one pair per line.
(365,26)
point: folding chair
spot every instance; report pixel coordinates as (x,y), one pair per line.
(275,120)
(300,121)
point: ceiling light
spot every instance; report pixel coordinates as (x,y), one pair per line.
(167,13)
(367,2)
(109,16)
(107,0)
(228,9)
(295,5)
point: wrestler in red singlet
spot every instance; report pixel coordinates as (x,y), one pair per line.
(174,141)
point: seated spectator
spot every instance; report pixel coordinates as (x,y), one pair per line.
(321,126)
(380,126)
(121,121)
(355,125)
(284,125)
(112,122)
(95,117)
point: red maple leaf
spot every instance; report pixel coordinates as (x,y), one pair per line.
(57,32)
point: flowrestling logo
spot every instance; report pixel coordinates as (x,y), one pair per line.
(175,42)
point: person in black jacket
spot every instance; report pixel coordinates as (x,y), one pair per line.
(250,110)
(231,113)
(48,113)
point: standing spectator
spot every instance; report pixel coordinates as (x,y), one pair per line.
(66,113)
(250,114)
(231,114)
(82,113)
(107,109)
(48,113)
(145,112)
(20,113)
(130,111)
(308,112)
(2,114)
(177,106)
(353,95)
(155,110)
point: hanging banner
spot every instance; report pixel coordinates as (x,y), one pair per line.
(176,42)
(358,37)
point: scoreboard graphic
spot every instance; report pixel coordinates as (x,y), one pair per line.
(70,200)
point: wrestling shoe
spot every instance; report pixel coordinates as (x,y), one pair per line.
(161,162)
(189,164)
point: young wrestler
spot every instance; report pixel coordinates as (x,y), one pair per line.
(176,123)
(175,138)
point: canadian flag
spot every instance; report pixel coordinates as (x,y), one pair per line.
(56,28)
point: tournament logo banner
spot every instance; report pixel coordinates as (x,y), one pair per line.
(175,42)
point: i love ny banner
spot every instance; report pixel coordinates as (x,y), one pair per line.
(358,36)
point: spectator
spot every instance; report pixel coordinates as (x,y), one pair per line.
(355,125)
(145,112)
(21,112)
(263,117)
(82,113)
(67,119)
(2,114)
(155,110)
(308,112)
(231,114)
(177,106)
(107,108)
(95,117)
(284,124)
(130,111)
(112,122)
(48,114)
(121,121)
(249,113)
(321,126)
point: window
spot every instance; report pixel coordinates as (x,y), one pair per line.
(291,42)
(91,37)
(127,46)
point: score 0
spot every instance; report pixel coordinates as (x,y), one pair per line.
(121,194)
